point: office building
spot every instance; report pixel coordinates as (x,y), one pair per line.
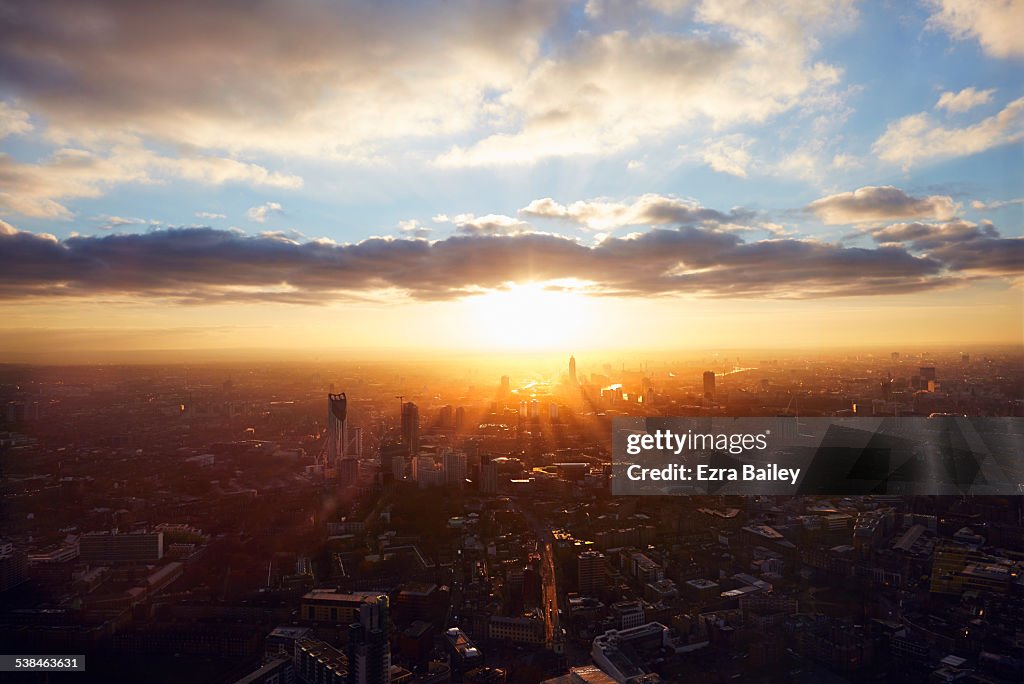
(337,418)
(369,643)
(709,385)
(276,671)
(317,662)
(463,655)
(334,607)
(619,653)
(590,571)
(411,427)
(488,476)
(454,468)
(105,548)
(13,566)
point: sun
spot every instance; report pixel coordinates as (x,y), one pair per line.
(531,316)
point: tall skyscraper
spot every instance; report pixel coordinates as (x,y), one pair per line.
(572,370)
(369,644)
(709,385)
(411,427)
(337,418)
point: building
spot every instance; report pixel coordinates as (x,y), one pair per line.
(277,671)
(488,475)
(616,650)
(485,675)
(590,571)
(628,614)
(709,385)
(586,674)
(454,468)
(105,548)
(337,419)
(463,655)
(572,371)
(280,643)
(411,427)
(525,629)
(426,473)
(317,662)
(13,566)
(335,607)
(417,601)
(369,644)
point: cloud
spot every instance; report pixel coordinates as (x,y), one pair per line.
(38,190)
(924,236)
(605,92)
(260,213)
(13,121)
(113,222)
(963,246)
(320,79)
(206,265)
(491,224)
(603,214)
(996,204)
(917,138)
(994,23)
(728,155)
(211,215)
(845,161)
(881,203)
(414,228)
(965,100)
(364,81)
(991,256)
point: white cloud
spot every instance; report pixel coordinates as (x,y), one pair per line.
(212,215)
(802,163)
(996,204)
(219,170)
(845,161)
(728,155)
(39,189)
(916,138)
(965,100)
(413,228)
(13,121)
(113,222)
(996,24)
(321,80)
(606,92)
(260,213)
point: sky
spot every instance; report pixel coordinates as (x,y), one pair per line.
(305,177)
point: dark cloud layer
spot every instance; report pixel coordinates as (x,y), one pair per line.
(210,265)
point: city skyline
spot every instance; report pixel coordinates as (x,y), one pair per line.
(508,178)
